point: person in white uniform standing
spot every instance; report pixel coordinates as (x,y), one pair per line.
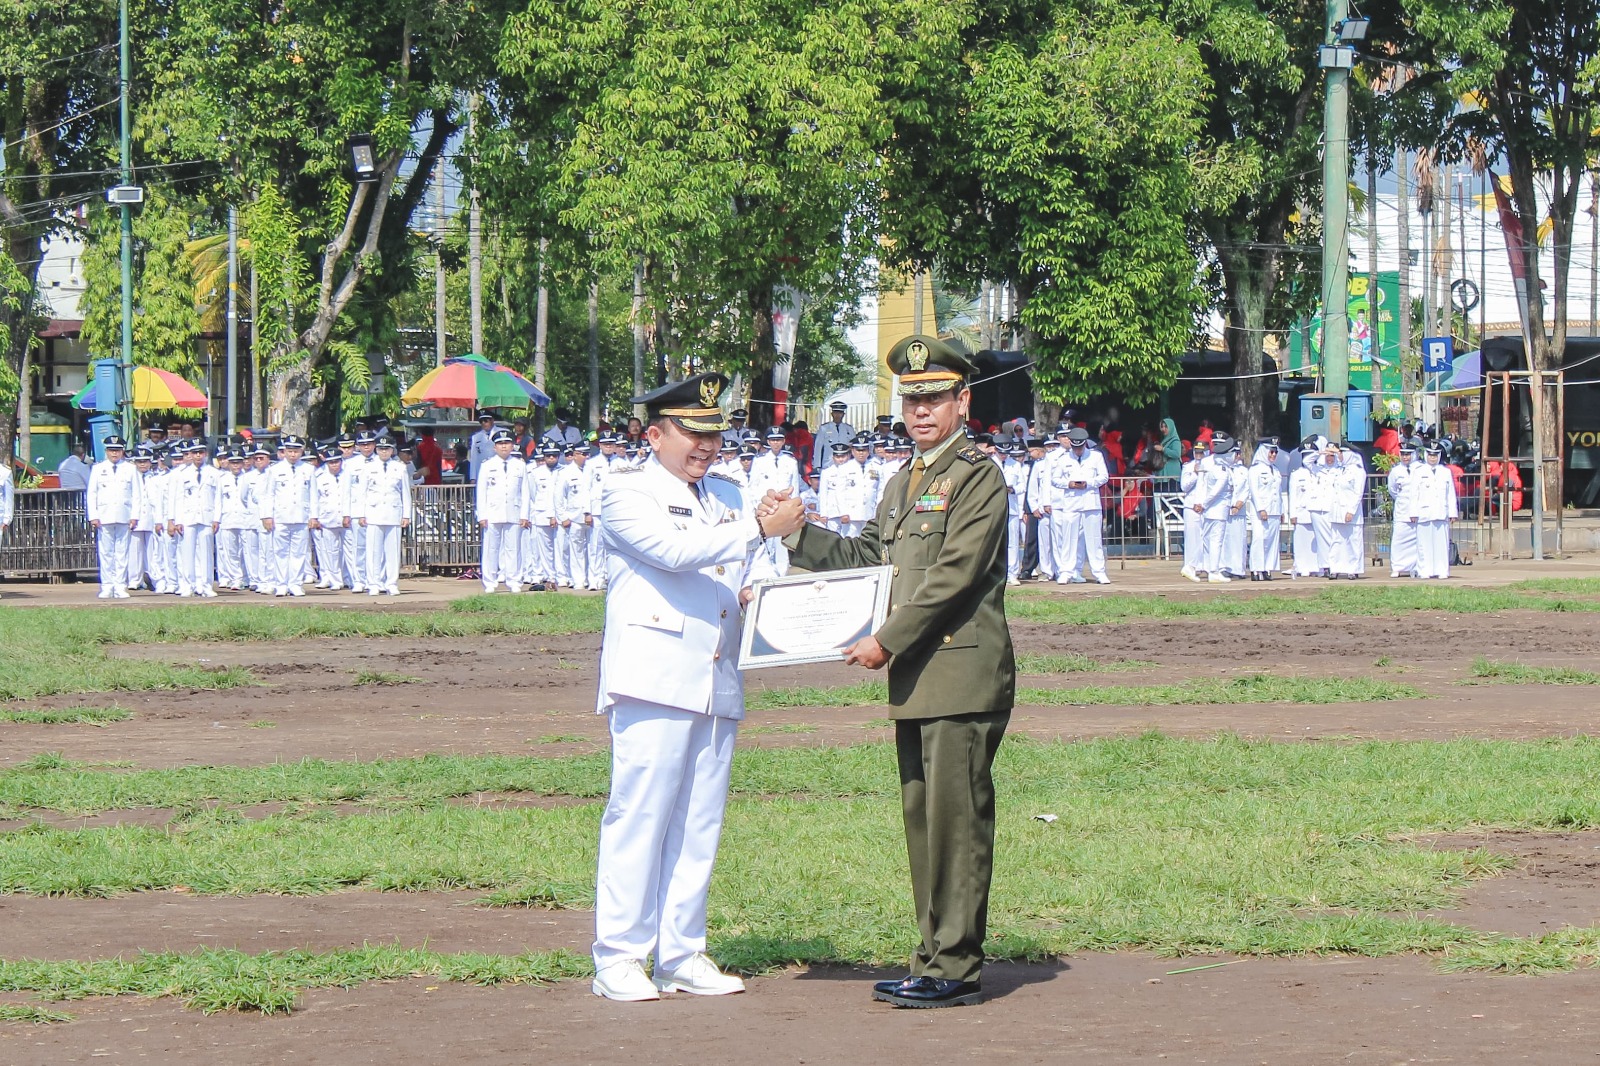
(235,518)
(574,512)
(599,468)
(834,431)
(1017,471)
(388,511)
(1403,539)
(678,545)
(287,494)
(773,471)
(1215,500)
(356,470)
(539,520)
(1078,475)
(141,548)
(498,506)
(113,500)
(1433,505)
(332,519)
(1303,489)
(1041,501)
(1189,484)
(1236,533)
(1266,510)
(1354,471)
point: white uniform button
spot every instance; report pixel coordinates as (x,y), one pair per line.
(722,570)
(717,654)
(724,614)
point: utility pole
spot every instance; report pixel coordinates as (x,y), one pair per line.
(438,263)
(233,320)
(638,334)
(1336,59)
(594,354)
(475,233)
(126,362)
(541,318)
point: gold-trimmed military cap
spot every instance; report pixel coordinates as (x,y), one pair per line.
(928,365)
(691,403)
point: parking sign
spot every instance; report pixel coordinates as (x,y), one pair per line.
(1436,354)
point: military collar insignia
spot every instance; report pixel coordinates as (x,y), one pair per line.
(917,357)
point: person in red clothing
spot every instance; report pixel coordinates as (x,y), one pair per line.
(1388,440)
(430,458)
(1203,437)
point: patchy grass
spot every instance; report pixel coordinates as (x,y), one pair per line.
(382,677)
(1342,599)
(1176,846)
(1494,672)
(27,1012)
(271,982)
(1073,664)
(784,730)
(861,694)
(67,715)
(563,738)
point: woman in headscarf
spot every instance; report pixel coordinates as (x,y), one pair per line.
(1171,458)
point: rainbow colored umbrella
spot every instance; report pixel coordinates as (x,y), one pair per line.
(473,381)
(153,390)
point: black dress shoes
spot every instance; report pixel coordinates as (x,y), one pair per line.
(928,992)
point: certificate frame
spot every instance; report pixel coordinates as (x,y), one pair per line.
(779,599)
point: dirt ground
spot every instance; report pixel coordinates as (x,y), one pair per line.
(535,696)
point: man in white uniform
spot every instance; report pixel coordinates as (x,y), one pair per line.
(678,544)
(1189,483)
(1403,541)
(1215,493)
(573,511)
(113,500)
(356,467)
(1433,506)
(235,519)
(598,469)
(563,433)
(539,520)
(141,548)
(773,471)
(332,520)
(479,449)
(1077,476)
(1236,533)
(285,506)
(834,431)
(388,511)
(1016,470)
(498,507)
(1266,510)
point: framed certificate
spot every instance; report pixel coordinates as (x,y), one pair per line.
(812,618)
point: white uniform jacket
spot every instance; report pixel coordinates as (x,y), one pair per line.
(499,491)
(571,490)
(193,502)
(149,502)
(1090,468)
(116,492)
(354,476)
(676,560)
(388,493)
(776,473)
(1432,494)
(234,509)
(1215,489)
(286,492)
(1266,487)
(332,498)
(538,494)
(1302,492)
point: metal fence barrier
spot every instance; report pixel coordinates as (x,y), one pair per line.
(49,536)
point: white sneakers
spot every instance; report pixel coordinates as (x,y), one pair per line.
(1190,574)
(699,976)
(1219,579)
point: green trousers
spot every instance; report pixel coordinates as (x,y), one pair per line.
(947,790)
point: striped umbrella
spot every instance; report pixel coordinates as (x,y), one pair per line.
(473,381)
(153,390)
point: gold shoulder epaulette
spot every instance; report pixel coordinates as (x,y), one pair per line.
(624,470)
(971,455)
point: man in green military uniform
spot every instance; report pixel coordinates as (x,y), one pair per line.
(941,523)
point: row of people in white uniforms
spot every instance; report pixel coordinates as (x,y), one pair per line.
(1233,513)
(174,522)
(1059,490)
(540,518)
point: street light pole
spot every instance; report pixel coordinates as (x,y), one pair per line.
(125,364)
(233,321)
(1336,59)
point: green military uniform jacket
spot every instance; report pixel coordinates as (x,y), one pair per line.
(946,630)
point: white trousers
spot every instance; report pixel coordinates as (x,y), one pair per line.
(383,558)
(1211,537)
(499,558)
(1016,539)
(1403,557)
(1079,540)
(1341,559)
(597,556)
(575,550)
(1047,546)
(331,555)
(1264,543)
(1433,548)
(289,543)
(138,556)
(1357,544)
(194,547)
(1322,524)
(1194,540)
(539,561)
(659,834)
(231,545)
(112,543)
(1307,561)
(163,561)
(1234,535)
(355,555)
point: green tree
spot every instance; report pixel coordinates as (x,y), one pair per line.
(166,326)
(1052,150)
(1518,80)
